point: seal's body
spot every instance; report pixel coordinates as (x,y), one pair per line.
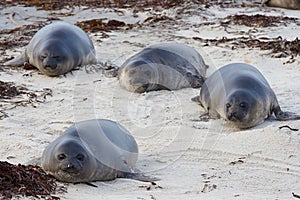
(57,49)
(169,66)
(240,94)
(288,4)
(93,150)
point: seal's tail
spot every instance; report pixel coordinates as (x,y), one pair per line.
(138,176)
(18,61)
(284,116)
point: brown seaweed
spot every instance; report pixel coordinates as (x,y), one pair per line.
(279,47)
(21,180)
(257,20)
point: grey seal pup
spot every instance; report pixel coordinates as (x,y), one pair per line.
(57,49)
(289,4)
(239,93)
(169,66)
(92,150)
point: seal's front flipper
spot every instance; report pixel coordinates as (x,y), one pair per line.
(18,61)
(138,176)
(205,117)
(284,116)
(196,99)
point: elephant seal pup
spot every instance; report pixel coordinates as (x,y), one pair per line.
(168,66)
(57,49)
(93,150)
(289,4)
(239,93)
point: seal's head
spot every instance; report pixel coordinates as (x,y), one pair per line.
(70,162)
(54,58)
(242,108)
(138,76)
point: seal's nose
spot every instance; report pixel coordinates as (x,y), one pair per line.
(233,116)
(71,167)
(50,63)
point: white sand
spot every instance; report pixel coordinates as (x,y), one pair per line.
(193,159)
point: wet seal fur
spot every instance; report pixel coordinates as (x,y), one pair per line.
(239,93)
(92,150)
(57,49)
(288,4)
(169,66)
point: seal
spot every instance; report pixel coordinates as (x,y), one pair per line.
(57,49)
(92,150)
(239,93)
(169,66)
(289,4)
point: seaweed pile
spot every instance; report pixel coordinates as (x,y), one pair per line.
(9,91)
(257,20)
(17,37)
(278,47)
(21,180)
(58,5)
(96,25)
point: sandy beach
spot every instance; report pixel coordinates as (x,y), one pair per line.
(193,159)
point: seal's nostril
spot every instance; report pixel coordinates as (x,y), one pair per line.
(50,66)
(232,116)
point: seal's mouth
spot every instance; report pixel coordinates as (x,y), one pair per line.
(63,176)
(241,123)
(237,116)
(71,169)
(73,172)
(234,118)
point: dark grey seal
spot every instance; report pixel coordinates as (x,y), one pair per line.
(289,4)
(93,150)
(57,49)
(169,66)
(239,93)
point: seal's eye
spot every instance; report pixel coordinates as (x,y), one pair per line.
(228,105)
(56,57)
(42,57)
(61,156)
(242,105)
(80,157)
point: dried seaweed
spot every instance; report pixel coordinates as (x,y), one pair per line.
(152,20)
(58,5)
(96,25)
(296,195)
(278,46)
(138,4)
(228,3)
(21,180)
(12,96)
(8,90)
(287,126)
(257,20)
(18,37)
